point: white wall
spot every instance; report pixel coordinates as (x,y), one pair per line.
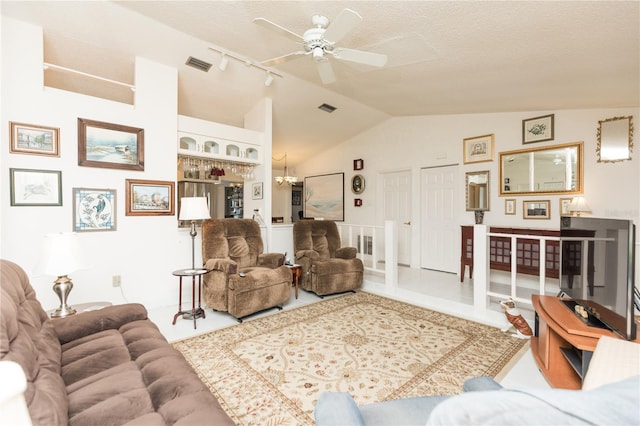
(144,250)
(411,143)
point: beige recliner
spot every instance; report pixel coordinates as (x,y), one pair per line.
(327,268)
(243,280)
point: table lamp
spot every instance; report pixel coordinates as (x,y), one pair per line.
(579,205)
(61,257)
(193,209)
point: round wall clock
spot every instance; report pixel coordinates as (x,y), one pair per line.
(357,184)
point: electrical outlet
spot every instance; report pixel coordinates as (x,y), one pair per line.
(116,280)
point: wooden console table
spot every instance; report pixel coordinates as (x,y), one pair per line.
(562,344)
(527,251)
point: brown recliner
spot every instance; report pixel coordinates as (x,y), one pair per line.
(327,268)
(243,280)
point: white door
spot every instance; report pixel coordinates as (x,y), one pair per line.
(440,235)
(396,191)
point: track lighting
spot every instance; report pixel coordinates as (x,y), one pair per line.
(224,61)
(269,79)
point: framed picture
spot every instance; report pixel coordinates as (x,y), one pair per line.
(324,196)
(34,139)
(357,202)
(357,184)
(537,129)
(358,164)
(510,206)
(35,187)
(94,209)
(564,206)
(149,198)
(256,191)
(478,149)
(296,198)
(110,145)
(536,209)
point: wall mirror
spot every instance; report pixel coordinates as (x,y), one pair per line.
(555,169)
(477,190)
(615,139)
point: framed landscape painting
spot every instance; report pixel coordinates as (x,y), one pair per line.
(34,139)
(324,196)
(149,198)
(109,145)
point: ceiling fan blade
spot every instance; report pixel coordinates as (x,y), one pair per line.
(284,58)
(277,28)
(345,22)
(326,71)
(360,56)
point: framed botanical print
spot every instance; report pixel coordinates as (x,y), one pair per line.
(478,149)
(537,129)
(94,209)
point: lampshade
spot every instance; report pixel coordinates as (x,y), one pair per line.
(579,205)
(61,254)
(194,208)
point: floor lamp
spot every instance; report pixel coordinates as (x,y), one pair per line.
(193,209)
(61,257)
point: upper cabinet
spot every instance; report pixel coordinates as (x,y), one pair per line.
(555,169)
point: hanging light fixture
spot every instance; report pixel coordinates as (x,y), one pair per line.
(290,180)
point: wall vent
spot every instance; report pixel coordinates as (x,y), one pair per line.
(198,64)
(327,108)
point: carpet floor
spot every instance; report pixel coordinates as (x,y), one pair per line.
(271,370)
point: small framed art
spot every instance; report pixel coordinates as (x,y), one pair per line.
(536,209)
(478,149)
(564,206)
(357,202)
(110,145)
(94,209)
(149,198)
(510,206)
(30,187)
(34,139)
(537,129)
(358,164)
(256,191)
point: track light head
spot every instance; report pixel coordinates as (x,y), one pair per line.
(269,79)
(224,61)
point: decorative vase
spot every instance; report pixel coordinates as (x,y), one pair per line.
(479,216)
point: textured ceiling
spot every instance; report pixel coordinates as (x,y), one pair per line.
(444,58)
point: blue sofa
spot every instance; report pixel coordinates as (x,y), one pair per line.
(610,395)
(485,402)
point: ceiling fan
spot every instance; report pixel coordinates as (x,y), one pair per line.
(320,42)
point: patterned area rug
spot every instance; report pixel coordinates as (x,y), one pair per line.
(271,370)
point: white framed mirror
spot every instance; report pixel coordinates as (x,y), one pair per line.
(615,139)
(477,190)
(555,169)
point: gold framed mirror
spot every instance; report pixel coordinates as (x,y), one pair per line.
(477,190)
(614,139)
(555,169)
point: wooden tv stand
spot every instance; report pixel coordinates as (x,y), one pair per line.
(562,344)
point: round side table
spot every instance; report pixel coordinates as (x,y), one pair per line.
(194,313)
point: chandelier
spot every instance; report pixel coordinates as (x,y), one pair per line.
(290,180)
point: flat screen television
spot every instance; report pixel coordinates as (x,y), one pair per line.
(597,271)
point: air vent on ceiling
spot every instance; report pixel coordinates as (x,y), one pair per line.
(198,64)
(327,108)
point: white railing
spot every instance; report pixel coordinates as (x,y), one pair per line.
(481,269)
(375,244)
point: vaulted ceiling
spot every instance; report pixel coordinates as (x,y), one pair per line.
(444,57)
